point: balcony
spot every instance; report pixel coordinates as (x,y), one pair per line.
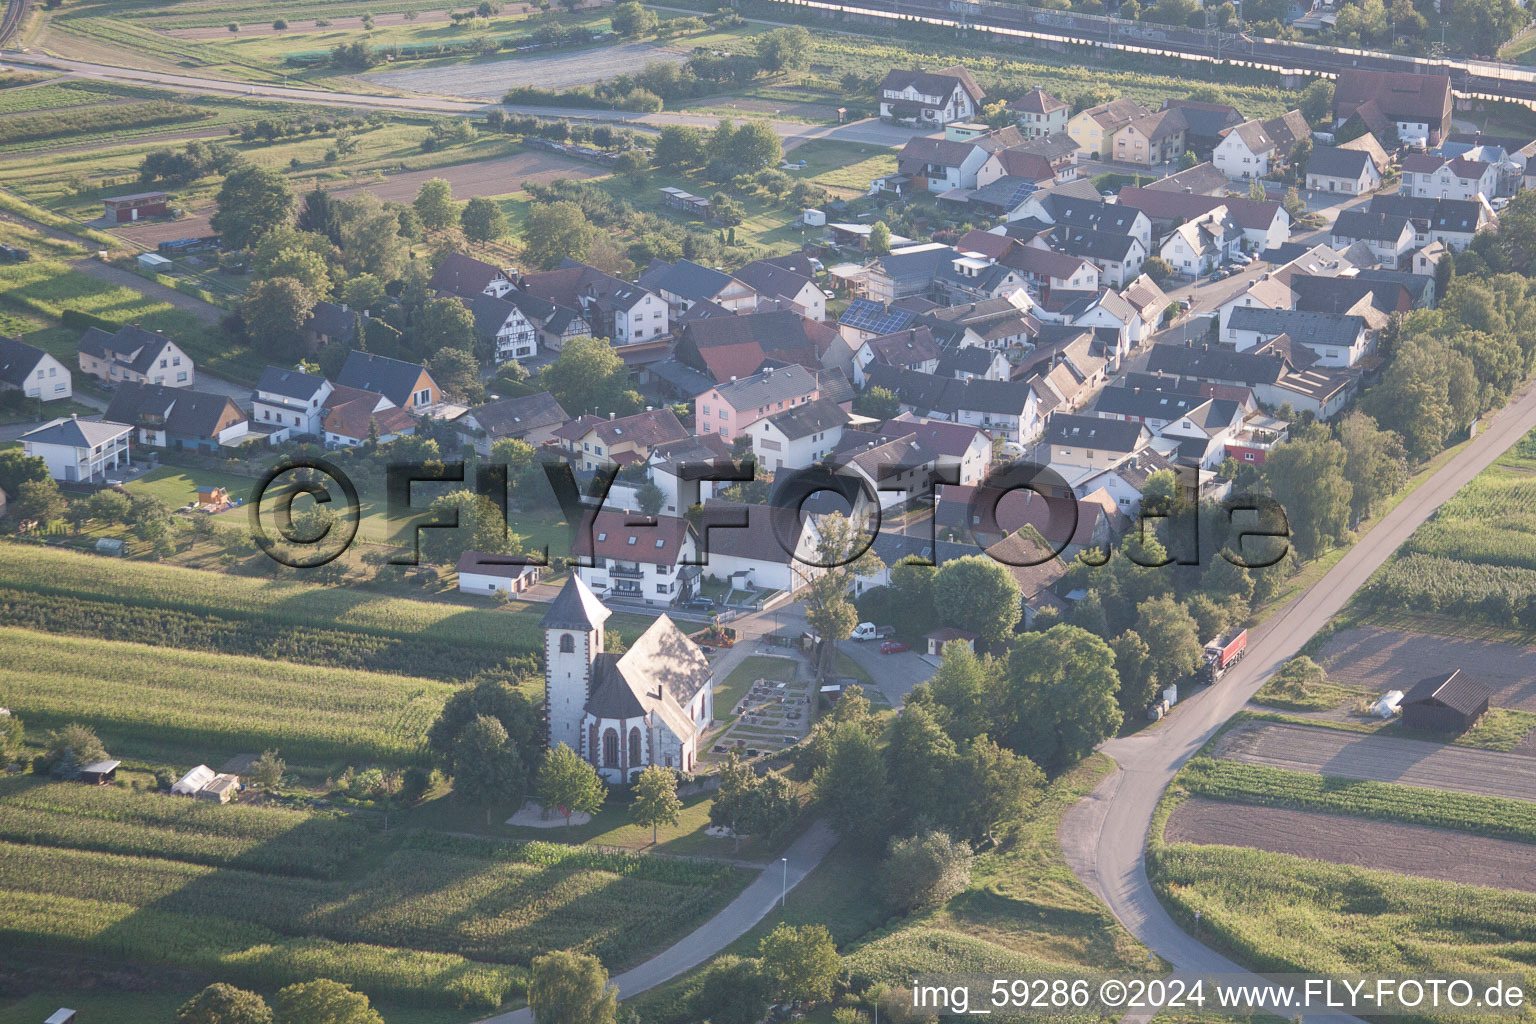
(629,571)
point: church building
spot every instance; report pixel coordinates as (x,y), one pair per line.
(622,713)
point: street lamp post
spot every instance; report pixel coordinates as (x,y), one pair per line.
(784,891)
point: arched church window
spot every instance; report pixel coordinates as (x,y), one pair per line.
(610,749)
(634,746)
(567,644)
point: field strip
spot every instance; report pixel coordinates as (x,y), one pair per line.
(1380,845)
(1379,659)
(1383,759)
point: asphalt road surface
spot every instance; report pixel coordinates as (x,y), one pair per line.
(1351,755)
(1104,836)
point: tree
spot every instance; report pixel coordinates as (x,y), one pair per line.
(570,784)
(1317,101)
(1374,462)
(755,145)
(1306,476)
(1426,393)
(879,402)
(483,220)
(656,801)
(310,269)
(926,870)
(751,804)
(784,49)
(457,373)
(920,767)
(801,963)
(566,987)
(16,469)
(879,239)
(996,787)
(324,1001)
(487,767)
(851,787)
(733,990)
(1174,645)
(1158,269)
(267,773)
(1299,677)
(274,313)
(252,201)
(38,500)
(631,20)
(221,1003)
(843,552)
(1058,700)
(443,323)
(109,506)
(482,526)
(650,498)
(589,377)
(1482,26)
(494,696)
(516,455)
(978,594)
(364,292)
(371,242)
(72,746)
(962,689)
(434,204)
(1187,159)
(321,215)
(554,231)
(677,147)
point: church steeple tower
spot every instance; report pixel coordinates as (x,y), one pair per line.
(573,638)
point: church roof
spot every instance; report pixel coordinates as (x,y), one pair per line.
(576,607)
(660,673)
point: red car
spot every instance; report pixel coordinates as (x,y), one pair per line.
(893,647)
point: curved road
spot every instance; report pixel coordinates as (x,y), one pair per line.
(1104,836)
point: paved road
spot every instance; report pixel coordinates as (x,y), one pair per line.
(1323,751)
(1104,836)
(735,920)
(870,130)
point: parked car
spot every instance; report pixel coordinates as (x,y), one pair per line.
(893,647)
(703,604)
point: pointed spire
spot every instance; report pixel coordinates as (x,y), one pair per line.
(576,607)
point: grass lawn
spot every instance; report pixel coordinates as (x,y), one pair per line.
(159,1006)
(177,486)
(843,168)
(1327,697)
(734,686)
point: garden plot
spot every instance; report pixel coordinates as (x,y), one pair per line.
(1380,845)
(487,80)
(773,714)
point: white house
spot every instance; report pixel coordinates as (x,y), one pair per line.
(480,573)
(773,549)
(1429,176)
(622,713)
(136,355)
(1247,151)
(643,563)
(77,450)
(1390,237)
(682,471)
(799,437)
(1339,341)
(33,372)
(1351,172)
(504,325)
(930,97)
(289,403)
(1039,113)
(466,276)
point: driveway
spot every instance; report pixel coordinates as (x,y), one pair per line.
(1104,836)
(1351,755)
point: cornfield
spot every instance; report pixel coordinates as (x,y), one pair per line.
(155,702)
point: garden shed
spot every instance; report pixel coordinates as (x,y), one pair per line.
(1451,702)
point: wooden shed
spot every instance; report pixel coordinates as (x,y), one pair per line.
(948,634)
(1451,702)
(99,773)
(129,208)
(220,790)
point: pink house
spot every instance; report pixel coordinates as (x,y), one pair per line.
(729,409)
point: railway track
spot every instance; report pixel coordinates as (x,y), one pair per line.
(1470,79)
(14,9)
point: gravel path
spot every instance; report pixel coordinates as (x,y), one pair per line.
(1299,748)
(1361,842)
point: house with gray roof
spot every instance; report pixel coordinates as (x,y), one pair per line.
(1338,341)
(929,97)
(289,403)
(1389,238)
(1349,172)
(135,355)
(408,385)
(729,408)
(331,322)
(79,451)
(33,372)
(685,283)
(504,326)
(467,277)
(799,437)
(182,419)
(531,418)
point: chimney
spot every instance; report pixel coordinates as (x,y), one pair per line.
(344,307)
(610,416)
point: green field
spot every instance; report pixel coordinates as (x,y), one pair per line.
(340,627)
(418,917)
(1285,914)
(164,705)
(1476,556)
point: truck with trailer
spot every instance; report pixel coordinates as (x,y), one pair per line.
(1222,653)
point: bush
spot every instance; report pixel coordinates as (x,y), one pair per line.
(926,870)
